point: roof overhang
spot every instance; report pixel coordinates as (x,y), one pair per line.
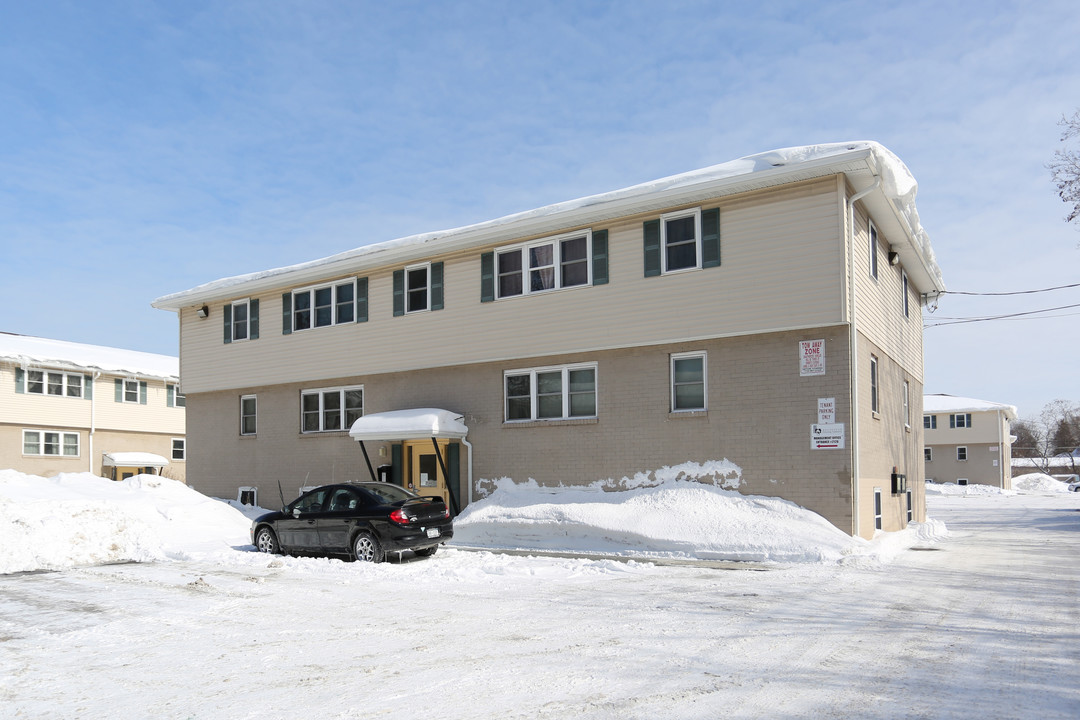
(414,424)
(860,162)
(133,459)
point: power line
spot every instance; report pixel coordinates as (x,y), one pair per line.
(1017,292)
(959,321)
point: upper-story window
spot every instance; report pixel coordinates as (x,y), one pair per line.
(548,264)
(960,420)
(680,238)
(323,306)
(60,384)
(418,288)
(131,391)
(873,250)
(241,320)
(907,301)
(929,422)
(173,396)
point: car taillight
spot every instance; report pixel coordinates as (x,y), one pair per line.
(401,518)
(446,513)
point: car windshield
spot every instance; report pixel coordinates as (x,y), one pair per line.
(389,493)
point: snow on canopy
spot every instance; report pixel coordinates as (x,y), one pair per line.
(409,425)
(24,350)
(941,403)
(897,184)
(133,459)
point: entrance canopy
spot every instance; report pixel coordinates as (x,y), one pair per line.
(415,424)
(133,459)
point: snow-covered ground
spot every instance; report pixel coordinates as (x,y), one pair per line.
(978,620)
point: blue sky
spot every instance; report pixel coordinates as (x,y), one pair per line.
(148,147)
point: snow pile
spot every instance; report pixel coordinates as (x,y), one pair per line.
(673,519)
(1039,483)
(81,519)
(954,490)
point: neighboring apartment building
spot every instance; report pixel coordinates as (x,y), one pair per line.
(705,316)
(71,407)
(968,441)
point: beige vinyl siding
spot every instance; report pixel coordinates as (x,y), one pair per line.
(35,410)
(879,303)
(153,417)
(781,268)
(986,427)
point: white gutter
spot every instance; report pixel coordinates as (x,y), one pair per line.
(854,360)
(468,444)
(93,400)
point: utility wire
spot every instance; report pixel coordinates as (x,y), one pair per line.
(1018,292)
(1000,317)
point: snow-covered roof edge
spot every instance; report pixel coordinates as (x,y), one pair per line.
(412,424)
(898,185)
(25,350)
(951,403)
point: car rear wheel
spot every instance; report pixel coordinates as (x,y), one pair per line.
(427,552)
(266,541)
(366,548)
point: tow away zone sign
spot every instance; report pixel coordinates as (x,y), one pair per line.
(827,437)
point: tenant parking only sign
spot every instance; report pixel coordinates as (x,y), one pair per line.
(811,357)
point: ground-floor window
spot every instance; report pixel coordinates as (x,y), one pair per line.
(877,508)
(48,442)
(961,453)
(551,393)
(910,507)
(928,454)
(179,449)
(688,387)
(330,409)
(249,406)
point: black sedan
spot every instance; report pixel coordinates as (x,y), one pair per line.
(363,521)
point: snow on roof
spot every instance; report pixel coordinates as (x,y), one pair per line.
(952,403)
(768,168)
(25,350)
(409,425)
(133,459)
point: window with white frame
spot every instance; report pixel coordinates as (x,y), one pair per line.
(877,508)
(417,288)
(873,383)
(680,240)
(130,391)
(59,384)
(910,507)
(241,320)
(249,414)
(324,305)
(929,422)
(330,409)
(548,264)
(50,442)
(174,398)
(928,454)
(551,393)
(179,449)
(907,303)
(961,453)
(872,232)
(688,386)
(960,420)
(907,406)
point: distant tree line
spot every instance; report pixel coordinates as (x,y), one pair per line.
(1053,434)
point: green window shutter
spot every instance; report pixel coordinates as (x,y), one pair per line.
(651,232)
(487,277)
(286,313)
(396,476)
(399,292)
(967,419)
(170,392)
(142,393)
(952,421)
(437,286)
(453,469)
(599,258)
(253,320)
(361,300)
(228,323)
(20,380)
(88,387)
(119,389)
(710,238)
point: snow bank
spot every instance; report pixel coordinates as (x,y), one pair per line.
(675,518)
(1039,483)
(81,519)
(954,490)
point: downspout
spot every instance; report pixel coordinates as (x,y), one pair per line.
(853,357)
(93,399)
(468,445)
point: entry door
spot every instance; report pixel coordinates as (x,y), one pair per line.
(425,474)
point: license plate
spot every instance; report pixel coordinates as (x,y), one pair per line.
(433,532)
